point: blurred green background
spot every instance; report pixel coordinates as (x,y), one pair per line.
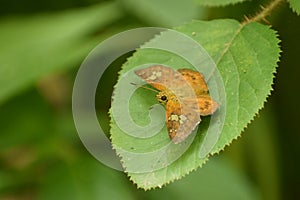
(42,44)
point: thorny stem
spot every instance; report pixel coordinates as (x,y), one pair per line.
(267,10)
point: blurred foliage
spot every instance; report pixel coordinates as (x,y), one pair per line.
(41,156)
(157,12)
(218,2)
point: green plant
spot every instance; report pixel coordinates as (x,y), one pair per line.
(42,46)
(246,55)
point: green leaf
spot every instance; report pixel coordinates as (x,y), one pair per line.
(246,57)
(295,5)
(168,13)
(218,2)
(34,46)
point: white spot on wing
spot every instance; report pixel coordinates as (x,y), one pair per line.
(182,119)
(174,118)
(154,75)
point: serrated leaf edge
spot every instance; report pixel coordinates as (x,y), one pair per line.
(293,8)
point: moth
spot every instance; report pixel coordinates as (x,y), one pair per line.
(185,95)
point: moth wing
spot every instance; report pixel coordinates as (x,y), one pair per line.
(196,80)
(204,105)
(181,121)
(158,76)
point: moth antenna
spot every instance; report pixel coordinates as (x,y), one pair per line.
(143,87)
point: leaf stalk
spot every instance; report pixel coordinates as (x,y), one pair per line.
(265,11)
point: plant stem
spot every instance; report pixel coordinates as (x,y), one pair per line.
(265,11)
